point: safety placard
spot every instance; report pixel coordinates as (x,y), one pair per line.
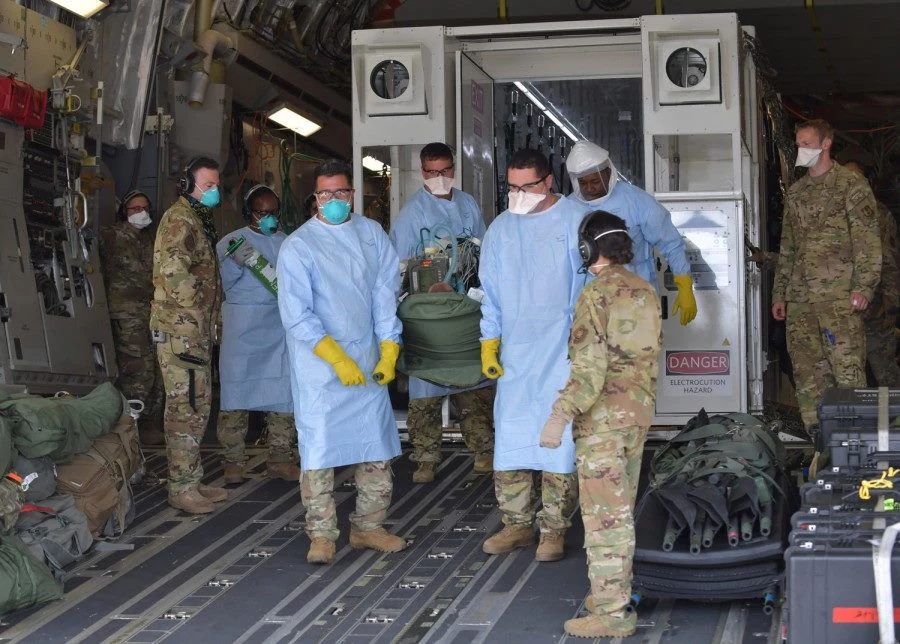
(698,373)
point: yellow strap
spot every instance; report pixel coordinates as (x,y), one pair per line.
(883,483)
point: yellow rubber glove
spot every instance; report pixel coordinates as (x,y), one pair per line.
(348,372)
(490,365)
(685,302)
(385,370)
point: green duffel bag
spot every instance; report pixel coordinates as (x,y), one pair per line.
(24,581)
(441,338)
(7,453)
(62,426)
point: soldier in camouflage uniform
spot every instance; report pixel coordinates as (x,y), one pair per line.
(184,316)
(610,394)
(829,265)
(880,318)
(126,248)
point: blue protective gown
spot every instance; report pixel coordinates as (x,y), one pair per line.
(462,217)
(341,281)
(649,224)
(529,273)
(253,362)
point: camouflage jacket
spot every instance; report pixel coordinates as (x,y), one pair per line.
(888,291)
(830,242)
(187,292)
(127,255)
(613,346)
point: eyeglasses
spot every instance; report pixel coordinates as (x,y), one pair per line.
(327,195)
(526,187)
(431,174)
(259,214)
(133,210)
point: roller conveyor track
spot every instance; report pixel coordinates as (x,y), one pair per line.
(240,575)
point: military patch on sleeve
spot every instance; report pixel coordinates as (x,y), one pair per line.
(579,334)
(190,244)
(855,197)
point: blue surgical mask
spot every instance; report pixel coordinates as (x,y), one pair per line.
(210,198)
(268,224)
(335,211)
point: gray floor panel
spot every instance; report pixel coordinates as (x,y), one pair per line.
(240,575)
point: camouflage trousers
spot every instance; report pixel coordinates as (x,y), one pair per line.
(231,430)
(187,413)
(515,490)
(139,374)
(827,343)
(374,485)
(609,464)
(881,350)
(476,411)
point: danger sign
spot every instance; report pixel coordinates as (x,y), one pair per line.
(697,363)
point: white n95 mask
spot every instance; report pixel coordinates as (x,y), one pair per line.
(140,220)
(522,203)
(439,185)
(807,157)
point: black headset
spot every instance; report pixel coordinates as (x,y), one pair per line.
(248,214)
(128,196)
(186,181)
(588,247)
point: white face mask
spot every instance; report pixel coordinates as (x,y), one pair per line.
(807,157)
(140,220)
(522,203)
(439,186)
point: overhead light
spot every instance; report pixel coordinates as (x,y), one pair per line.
(84,8)
(549,114)
(373,164)
(290,119)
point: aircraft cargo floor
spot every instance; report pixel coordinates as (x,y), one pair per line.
(240,575)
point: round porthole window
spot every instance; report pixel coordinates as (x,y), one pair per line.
(389,79)
(686,67)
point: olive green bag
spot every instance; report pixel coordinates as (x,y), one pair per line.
(60,427)
(24,581)
(441,338)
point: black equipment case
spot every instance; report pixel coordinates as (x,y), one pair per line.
(831,590)
(848,424)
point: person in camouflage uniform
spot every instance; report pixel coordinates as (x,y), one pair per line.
(184,316)
(880,318)
(828,267)
(126,249)
(610,395)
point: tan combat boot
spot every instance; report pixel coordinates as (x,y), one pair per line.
(484,463)
(234,472)
(321,551)
(214,494)
(378,539)
(618,624)
(508,539)
(551,547)
(191,501)
(425,472)
(284,470)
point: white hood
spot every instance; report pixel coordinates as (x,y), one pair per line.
(588,158)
